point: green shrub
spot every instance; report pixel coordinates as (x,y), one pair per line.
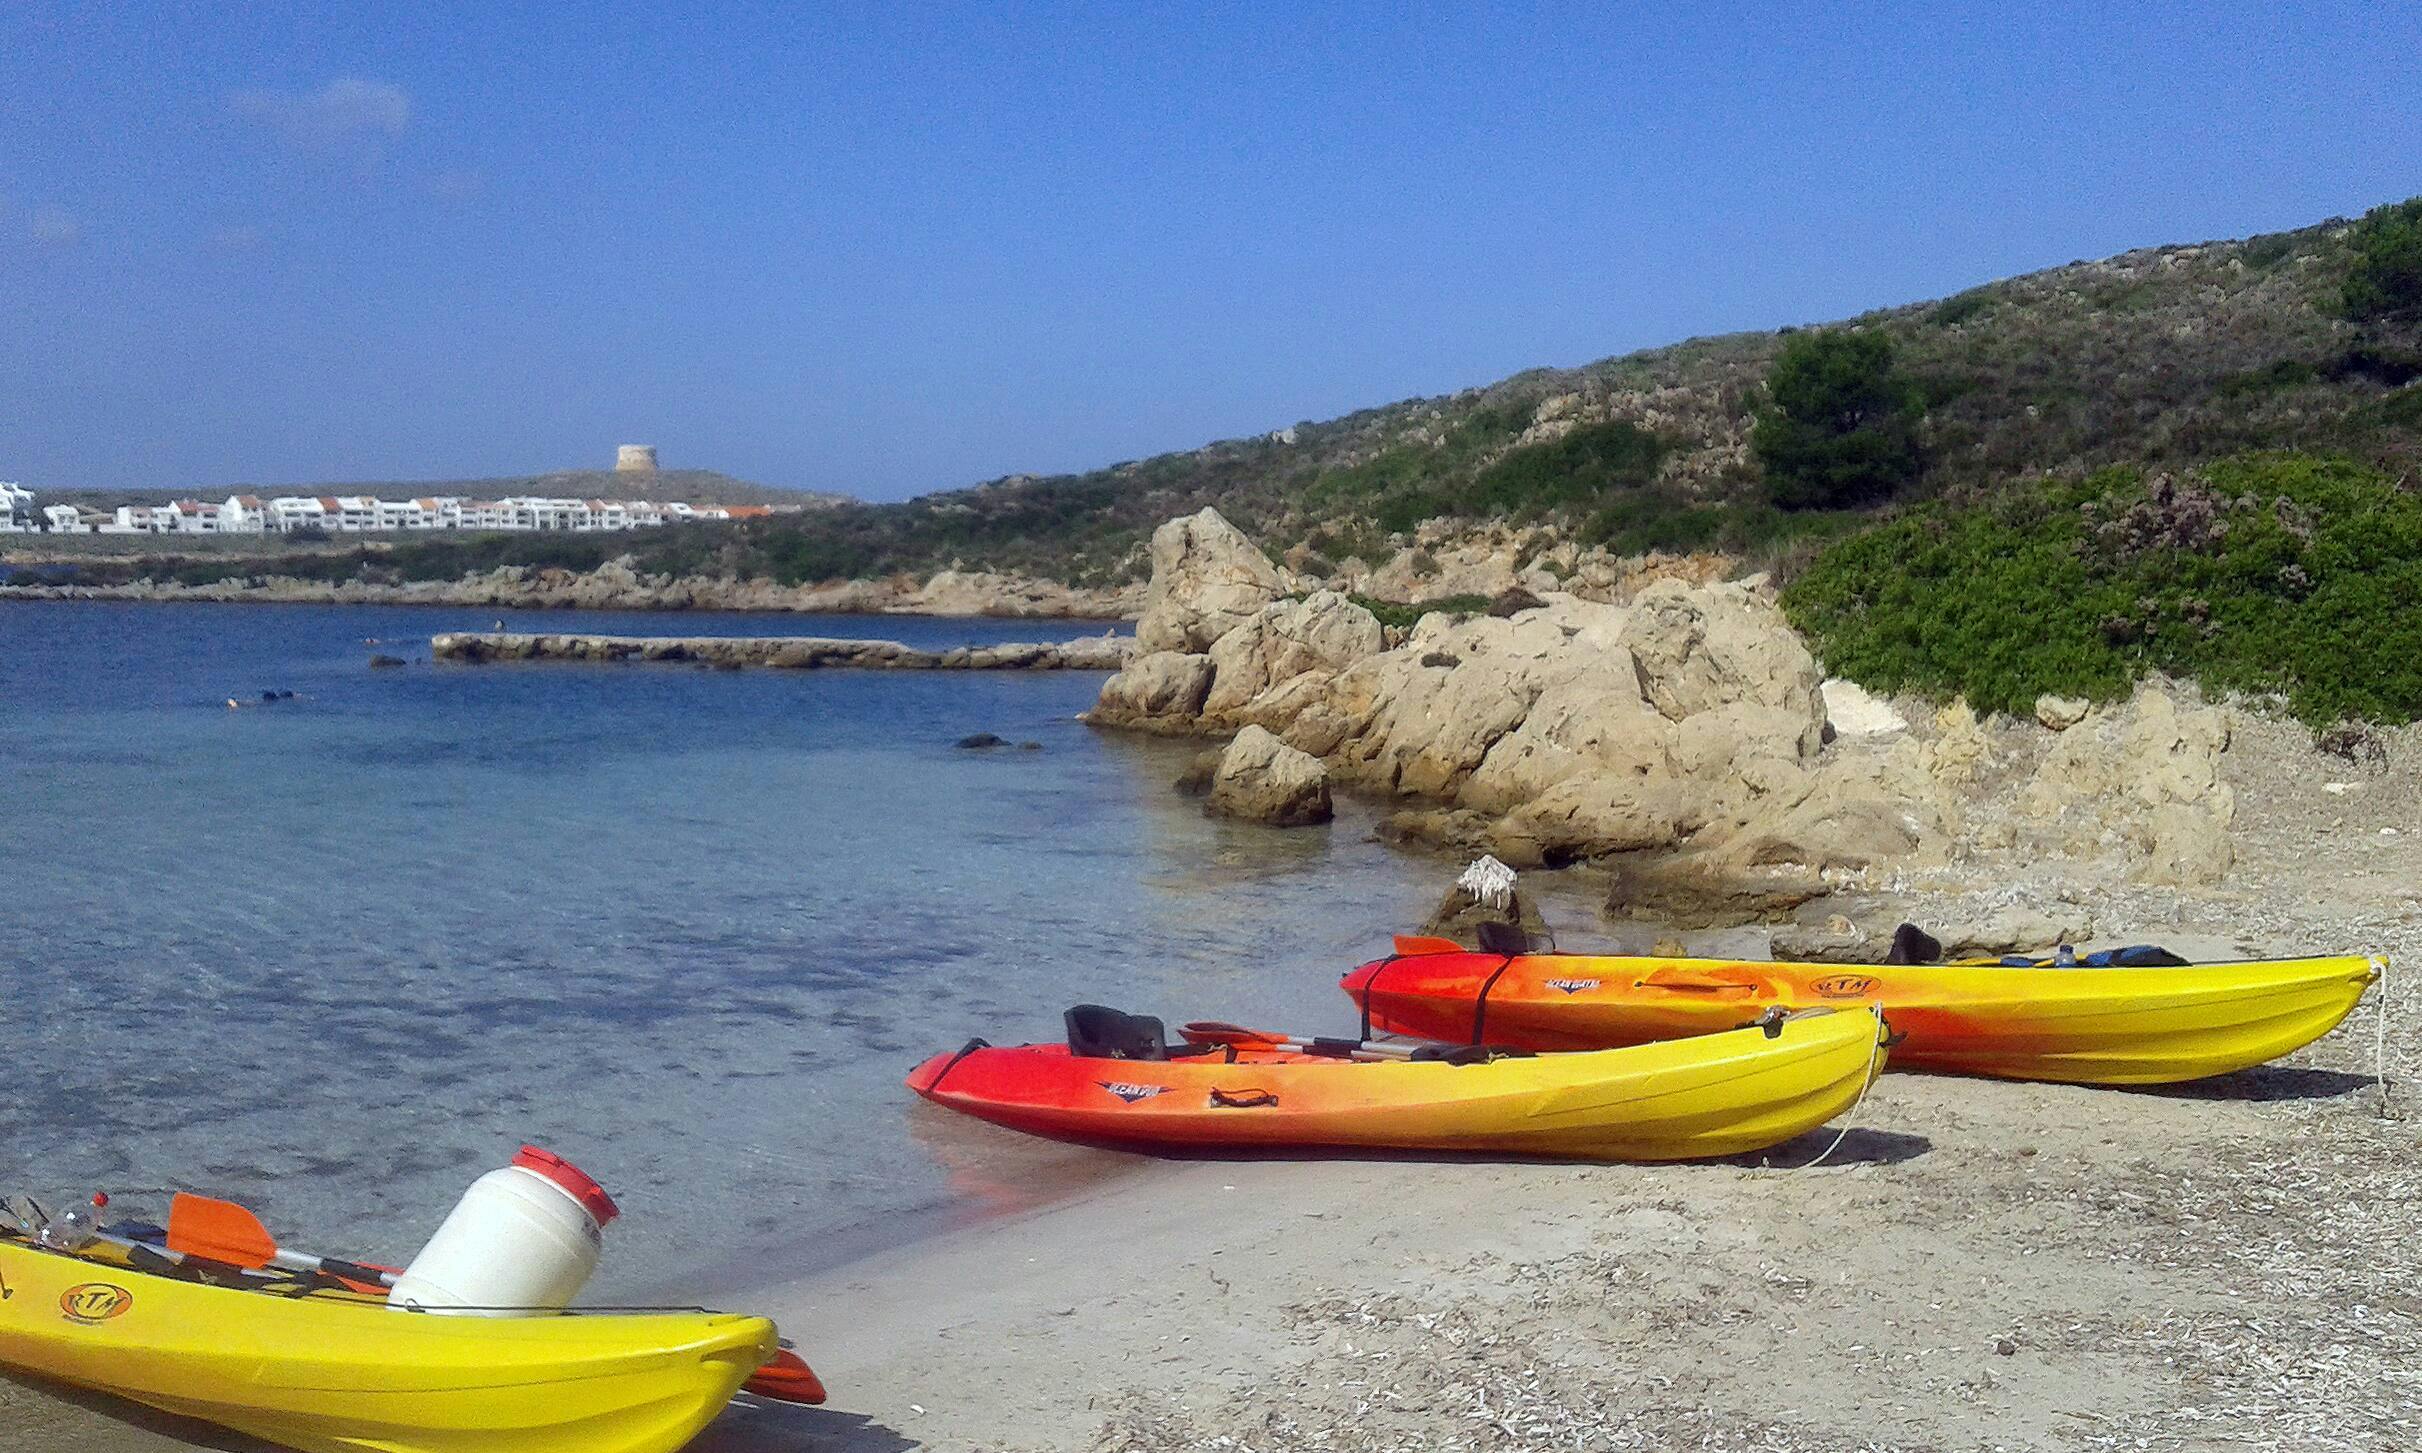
(1586,465)
(1402,616)
(2279,374)
(2385,280)
(1960,308)
(1839,428)
(2284,573)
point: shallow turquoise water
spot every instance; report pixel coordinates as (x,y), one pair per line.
(337,956)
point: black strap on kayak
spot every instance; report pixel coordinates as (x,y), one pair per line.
(1242,1099)
(1480,1005)
(970,1047)
(1370,984)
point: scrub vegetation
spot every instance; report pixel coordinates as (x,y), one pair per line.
(2286,574)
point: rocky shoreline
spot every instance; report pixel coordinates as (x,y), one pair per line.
(1679,735)
(616,586)
(792,653)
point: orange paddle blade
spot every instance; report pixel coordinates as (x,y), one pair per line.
(218,1231)
(1410,945)
(786,1379)
(1213,1031)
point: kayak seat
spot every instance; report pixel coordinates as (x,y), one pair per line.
(1496,936)
(1466,1054)
(1097,1031)
(1913,945)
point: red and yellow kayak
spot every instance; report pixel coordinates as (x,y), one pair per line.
(2110,1026)
(1717,1095)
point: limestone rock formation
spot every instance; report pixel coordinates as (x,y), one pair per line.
(1323,632)
(1161,687)
(1461,912)
(1701,647)
(1207,579)
(2145,778)
(2059,713)
(1262,779)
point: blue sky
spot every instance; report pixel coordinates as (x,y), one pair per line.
(895,248)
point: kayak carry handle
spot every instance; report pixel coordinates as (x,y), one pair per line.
(1683,981)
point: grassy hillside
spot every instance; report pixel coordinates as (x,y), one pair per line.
(2159,358)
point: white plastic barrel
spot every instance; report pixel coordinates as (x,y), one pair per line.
(521,1241)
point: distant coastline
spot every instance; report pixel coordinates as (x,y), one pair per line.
(615,586)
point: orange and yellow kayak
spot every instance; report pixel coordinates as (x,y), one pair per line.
(1718,1095)
(2110,1026)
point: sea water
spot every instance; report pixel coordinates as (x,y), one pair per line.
(337,954)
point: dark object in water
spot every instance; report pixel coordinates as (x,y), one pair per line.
(383,662)
(982,740)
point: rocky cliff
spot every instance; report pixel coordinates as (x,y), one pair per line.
(1682,731)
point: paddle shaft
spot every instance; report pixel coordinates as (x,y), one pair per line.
(332,1266)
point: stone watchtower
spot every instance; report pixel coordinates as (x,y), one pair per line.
(635,459)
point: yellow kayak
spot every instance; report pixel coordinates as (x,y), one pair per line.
(2104,1026)
(1717,1095)
(337,1372)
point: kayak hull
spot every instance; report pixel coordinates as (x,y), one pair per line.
(2109,1026)
(1716,1096)
(335,1373)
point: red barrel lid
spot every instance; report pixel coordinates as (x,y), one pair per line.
(571,1180)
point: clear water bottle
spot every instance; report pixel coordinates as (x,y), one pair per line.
(75,1230)
(2064,957)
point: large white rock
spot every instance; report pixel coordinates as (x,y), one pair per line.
(1854,711)
(1160,686)
(1262,779)
(1207,579)
(1705,646)
(1323,632)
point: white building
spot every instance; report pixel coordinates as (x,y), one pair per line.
(193,517)
(289,512)
(66,520)
(243,514)
(17,510)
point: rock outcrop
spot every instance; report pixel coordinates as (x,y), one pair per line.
(1207,579)
(1687,722)
(2144,778)
(1323,633)
(1155,691)
(1262,779)
(795,653)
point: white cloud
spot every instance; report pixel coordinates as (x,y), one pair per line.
(346,112)
(54,226)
